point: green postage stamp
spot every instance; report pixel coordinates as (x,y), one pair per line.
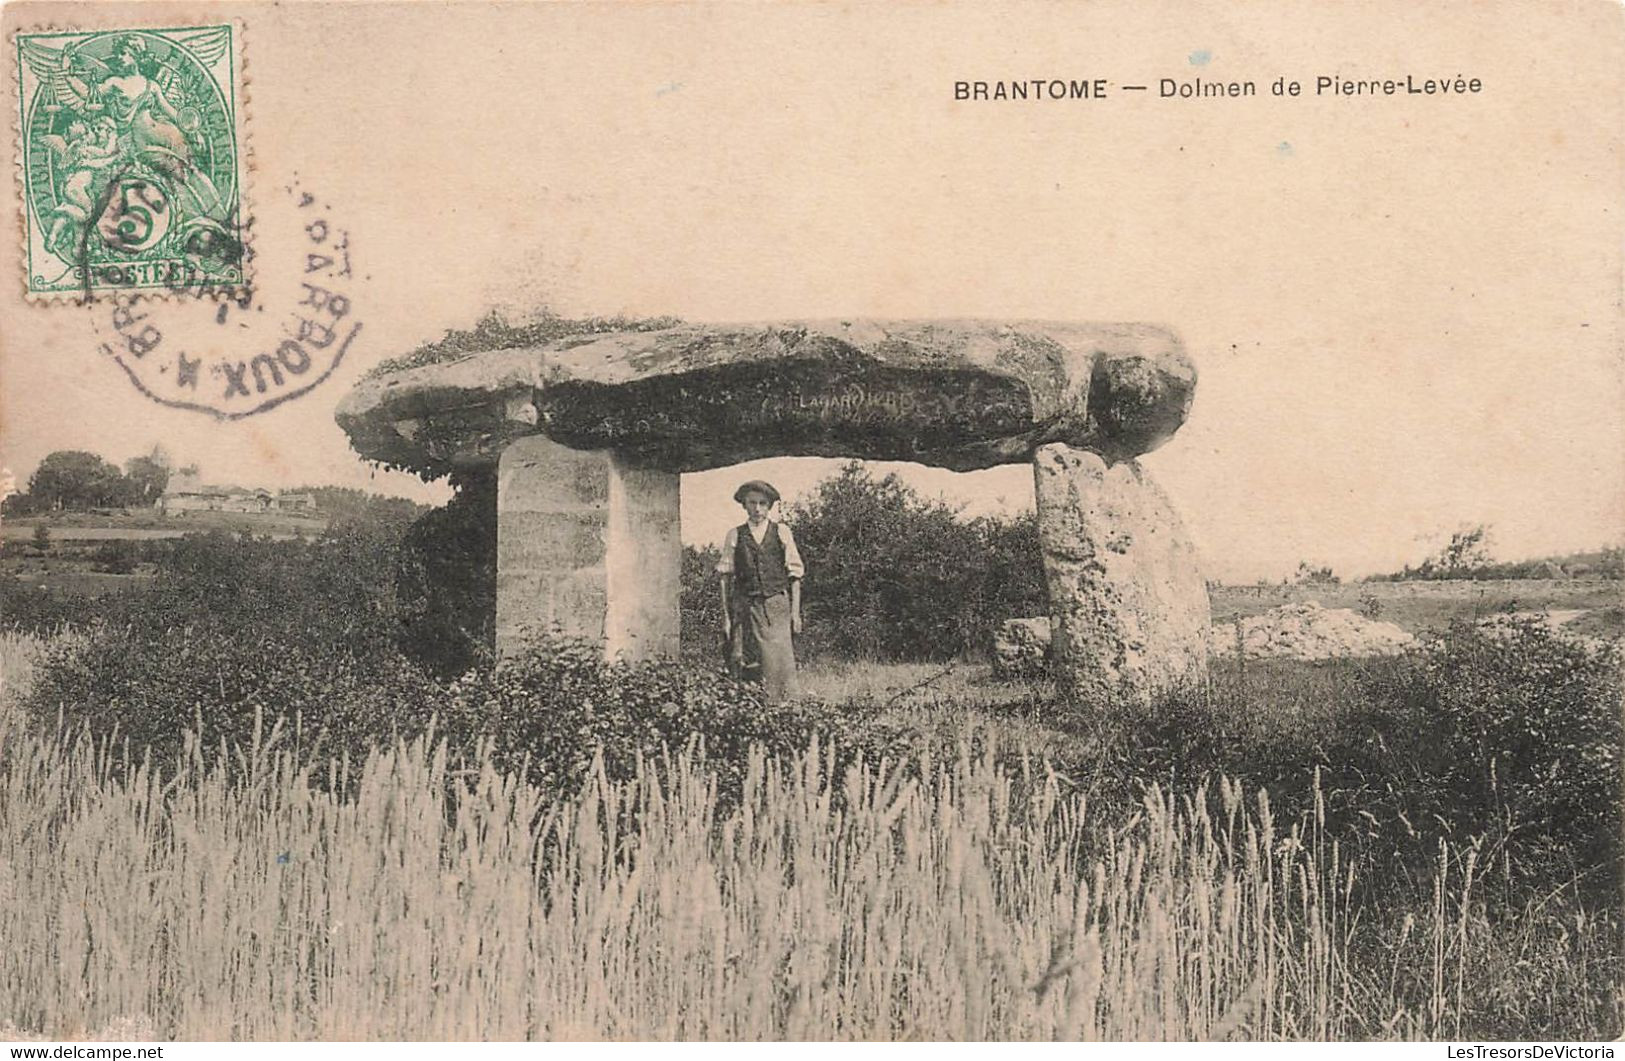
(132,160)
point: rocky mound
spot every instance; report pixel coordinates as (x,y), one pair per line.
(1310,632)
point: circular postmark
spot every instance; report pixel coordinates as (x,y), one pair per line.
(258,346)
(131,159)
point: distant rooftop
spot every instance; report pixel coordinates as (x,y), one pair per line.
(192,484)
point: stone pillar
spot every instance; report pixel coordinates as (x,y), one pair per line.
(1128,605)
(644,563)
(586,546)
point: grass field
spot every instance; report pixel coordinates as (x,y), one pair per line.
(410,897)
(1421,606)
(827,905)
(151,523)
(76,579)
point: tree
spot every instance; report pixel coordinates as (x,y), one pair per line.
(74,479)
(42,537)
(1467,549)
(1309,575)
(345,504)
(146,477)
(21,503)
(893,575)
(1466,555)
(1013,583)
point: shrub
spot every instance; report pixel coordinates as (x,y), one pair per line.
(116,557)
(333,593)
(233,628)
(345,692)
(552,708)
(34,609)
(1511,739)
(495,332)
(1310,575)
(150,686)
(700,606)
(1519,728)
(446,582)
(893,576)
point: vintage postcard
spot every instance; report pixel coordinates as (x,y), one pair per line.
(998,521)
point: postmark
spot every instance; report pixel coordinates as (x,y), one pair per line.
(265,345)
(132,154)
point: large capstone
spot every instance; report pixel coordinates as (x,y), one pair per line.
(956,394)
(1128,605)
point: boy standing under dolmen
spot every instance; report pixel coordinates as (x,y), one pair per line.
(761,573)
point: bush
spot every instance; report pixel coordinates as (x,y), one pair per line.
(235,632)
(446,581)
(116,557)
(33,609)
(550,710)
(233,627)
(1519,729)
(334,593)
(150,686)
(893,576)
(547,713)
(1511,739)
(495,332)
(700,606)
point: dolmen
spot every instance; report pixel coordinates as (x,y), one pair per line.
(587,437)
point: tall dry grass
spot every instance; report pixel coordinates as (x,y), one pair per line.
(402,899)
(19,653)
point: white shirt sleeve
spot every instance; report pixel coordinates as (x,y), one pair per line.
(725,565)
(792,555)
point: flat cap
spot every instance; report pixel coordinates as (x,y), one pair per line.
(757,486)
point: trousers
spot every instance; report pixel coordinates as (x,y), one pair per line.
(761,636)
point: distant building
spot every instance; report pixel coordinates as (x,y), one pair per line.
(186,493)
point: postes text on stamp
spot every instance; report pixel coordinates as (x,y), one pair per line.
(131,160)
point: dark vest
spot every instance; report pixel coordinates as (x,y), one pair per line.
(759,570)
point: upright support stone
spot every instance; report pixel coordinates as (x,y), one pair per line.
(586,546)
(1128,604)
(644,562)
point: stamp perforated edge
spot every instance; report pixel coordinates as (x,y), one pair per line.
(246,169)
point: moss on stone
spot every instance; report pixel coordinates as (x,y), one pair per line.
(494,332)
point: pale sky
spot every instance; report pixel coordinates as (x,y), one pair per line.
(1404,311)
